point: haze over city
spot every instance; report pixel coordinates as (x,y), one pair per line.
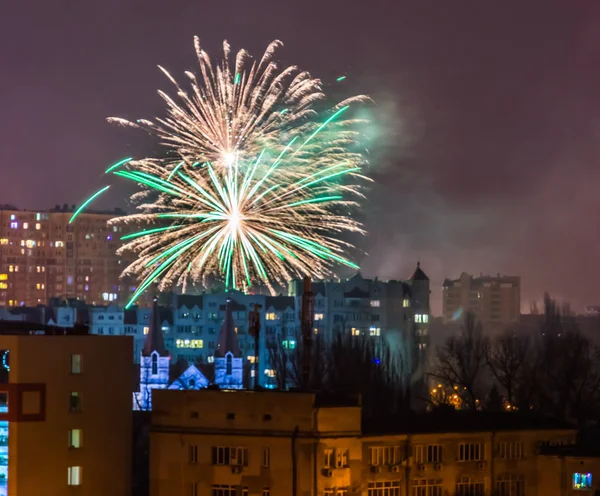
(485,140)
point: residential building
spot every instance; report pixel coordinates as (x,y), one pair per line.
(280,443)
(496,301)
(395,310)
(66,420)
(43,255)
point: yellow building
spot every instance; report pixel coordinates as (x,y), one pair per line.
(65,415)
(494,300)
(43,256)
(246,443)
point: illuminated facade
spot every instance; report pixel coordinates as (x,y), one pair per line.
(280,443)
(155,362)
(228,356)
(67,421)
(43,256)
(396,310)
(494,300)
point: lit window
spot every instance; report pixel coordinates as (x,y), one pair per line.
(319,316)
(11,268)
(59,244)
(75,364)
(251,358)
(22,242)
(271,316)
(14,225)
(406,303)
(289,344)
(189,343)
(418,318)
(74,476)
(375,303)
(582,481)
(3,277)
(4,241)
(269,372)
(38,226)
(146,330)
(30,243)
(12,217)
(355,331)
(25,225)
(75,438)
(211,359)
(374,331)
(3,285)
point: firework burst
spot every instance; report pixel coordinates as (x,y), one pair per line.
(256,184)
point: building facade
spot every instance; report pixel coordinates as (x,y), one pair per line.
(494,300)
(397,311)
(66,420)
(285,443)
(43,256)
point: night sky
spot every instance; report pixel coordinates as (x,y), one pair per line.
(485,130)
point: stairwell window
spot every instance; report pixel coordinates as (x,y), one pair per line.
(76,364)
(74,476)
(74,401)
(75,438)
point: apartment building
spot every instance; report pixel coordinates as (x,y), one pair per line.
(272,443)
(65,414)
(397,310)
(496,301)
(43,255)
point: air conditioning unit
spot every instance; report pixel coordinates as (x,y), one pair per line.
(437,466)
(395,468)
(236,469)
(375,469)
(326,472)
(481,465)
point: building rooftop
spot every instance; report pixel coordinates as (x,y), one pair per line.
(462,421)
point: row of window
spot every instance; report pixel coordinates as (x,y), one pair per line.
(229,455)
(506,485)
(433,453)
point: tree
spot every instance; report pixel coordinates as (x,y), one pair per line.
(462,362)
(362,365)
(506,359)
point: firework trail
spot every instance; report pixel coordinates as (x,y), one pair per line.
(256,185)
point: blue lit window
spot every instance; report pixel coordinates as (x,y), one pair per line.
(582,481)
(14,225)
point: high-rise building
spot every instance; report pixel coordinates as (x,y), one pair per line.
(494,300)
(65,413)
(42,256)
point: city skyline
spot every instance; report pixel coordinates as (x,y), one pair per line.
(483,133)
